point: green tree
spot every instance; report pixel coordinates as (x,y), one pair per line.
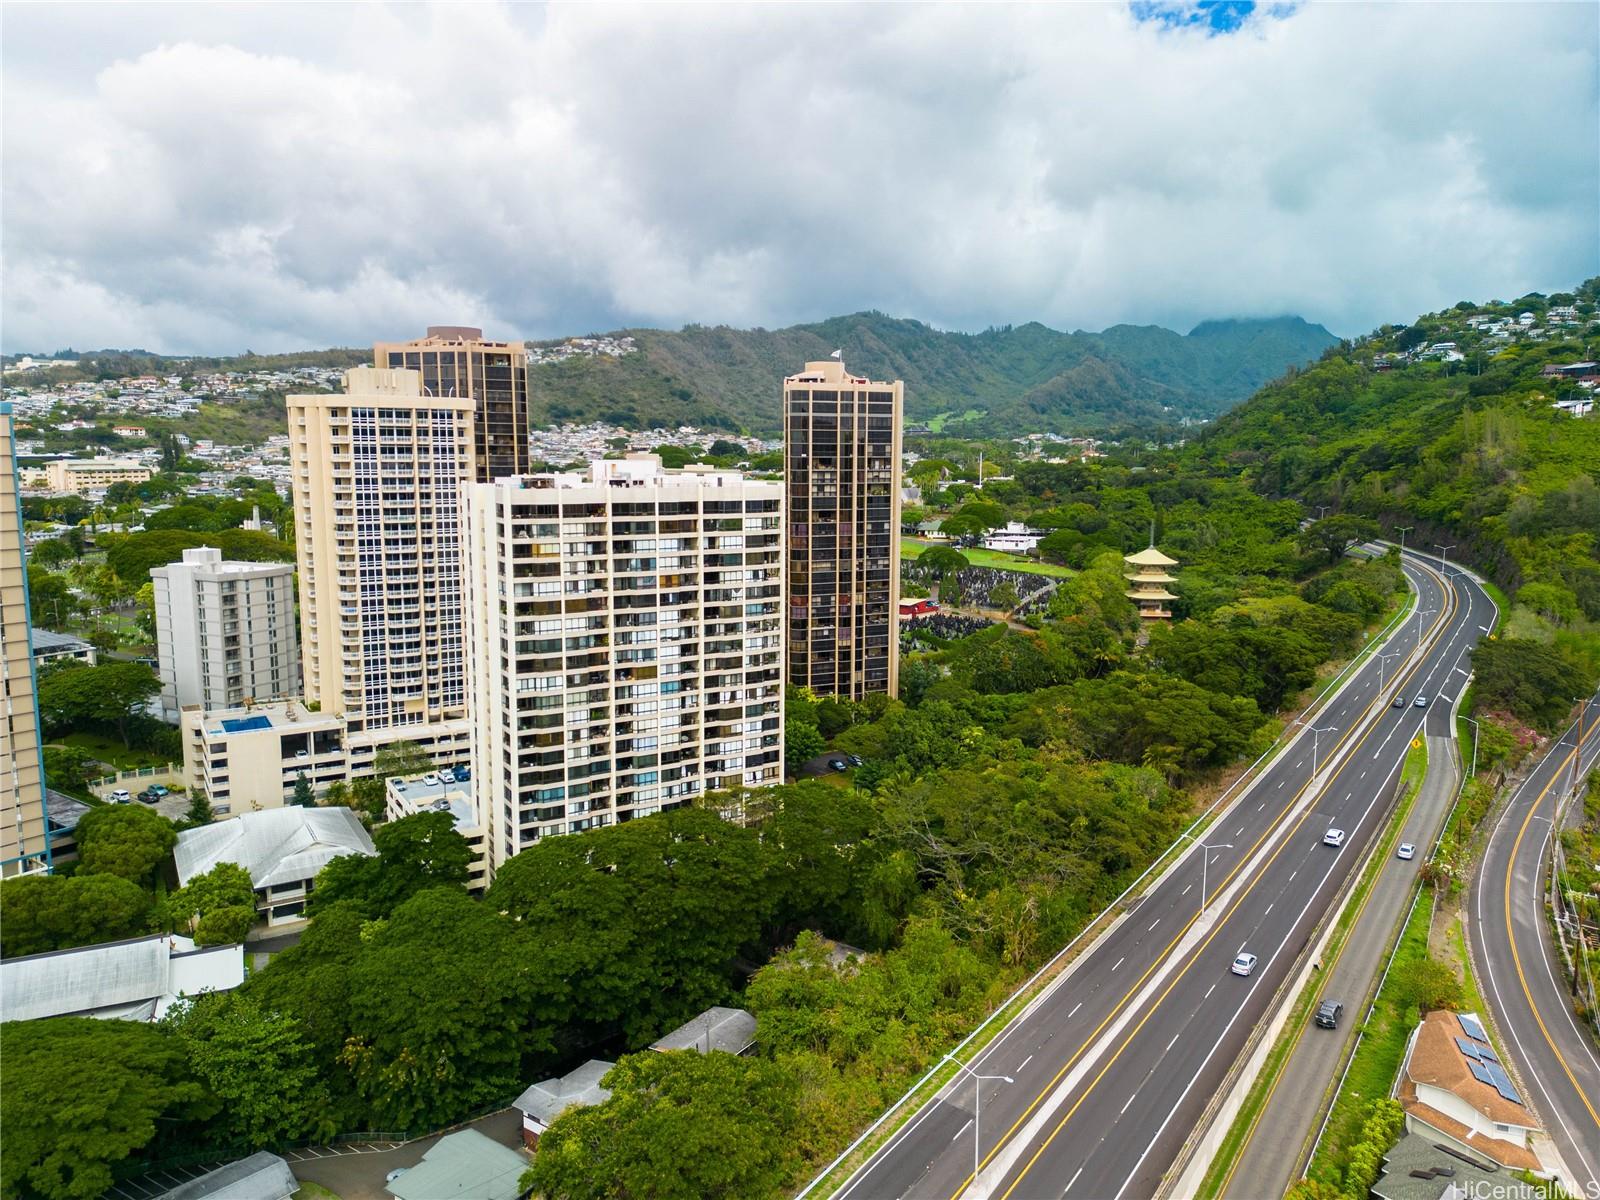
(943,562)
(258,1064)
(225,886)
(1529,679)
(51,602)
(199,809)
(683,1126)
(62,1148)
(125,840)
(39,913)
(113,694)
(416,852)
(368,797)
(403,759)
(303,795)
(1336,534)
(51,553)
(801,743)
(67,768)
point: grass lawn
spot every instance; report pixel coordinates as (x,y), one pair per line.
(993,558)
(109,750)
(937,424)
(313,1191)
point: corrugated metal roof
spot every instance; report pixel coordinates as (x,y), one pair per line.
(262,1176)
(548,1099)
(465,1165)
(729,1029)
(137,978)
(278,845)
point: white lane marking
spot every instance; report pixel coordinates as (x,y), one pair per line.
(1363,774)
(1175,1038)
(1153,925)
(1120,961)
(1025,1062)
(1131,1097)
(1075,1008)
(963,1129)
(1293,873)
(1269,909)
(1071,1181)
(1185,892)
(1209,990)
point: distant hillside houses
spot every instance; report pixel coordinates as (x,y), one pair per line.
(582,347)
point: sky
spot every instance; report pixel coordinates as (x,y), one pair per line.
(211,178)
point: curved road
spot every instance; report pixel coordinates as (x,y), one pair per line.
(1520,968)
(1111,1066)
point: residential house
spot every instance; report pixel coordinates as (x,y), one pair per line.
(283,849)
(543,1102)
(1455,1090)
(50,646)
(1014,538)
(135,980)
(1421,1168)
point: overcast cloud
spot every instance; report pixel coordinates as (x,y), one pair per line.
(209,179)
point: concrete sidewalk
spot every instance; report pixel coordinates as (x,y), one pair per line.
(1275,1153)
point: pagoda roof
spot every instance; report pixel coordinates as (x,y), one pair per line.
(1146,595)
(1150,557)
(1151,575)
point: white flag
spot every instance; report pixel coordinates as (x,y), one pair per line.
(839,354)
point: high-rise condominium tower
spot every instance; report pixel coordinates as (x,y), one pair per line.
(841,438)
(377,475)
(24,837)
(455,362)
(625,643)
(225,632)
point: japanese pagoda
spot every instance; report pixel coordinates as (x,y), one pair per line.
(1147,583)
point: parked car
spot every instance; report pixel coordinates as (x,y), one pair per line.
(1334,837)
(463,774)
(447,776)
(158,789)
(1399,702)
(148,797)
(399,785)
(1328,1013)
(1407,851)
(120,796)
(1421,702)
(855,759)
(1243,964)
(431,779)
(838,764)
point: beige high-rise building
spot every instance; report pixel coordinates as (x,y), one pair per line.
(625,643)
(24,839)
(377,476)
(456,361)
(841,438)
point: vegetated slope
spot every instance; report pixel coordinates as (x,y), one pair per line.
(1023,377)
(1470,450)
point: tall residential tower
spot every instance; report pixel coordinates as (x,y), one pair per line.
(24,837)
(377,476)
(454,362)
(841,437)
(625,643)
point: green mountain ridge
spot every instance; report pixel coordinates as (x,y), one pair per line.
(1027,377)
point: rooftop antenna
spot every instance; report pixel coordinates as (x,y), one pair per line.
(1152,533)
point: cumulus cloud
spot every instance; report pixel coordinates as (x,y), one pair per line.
(204,179)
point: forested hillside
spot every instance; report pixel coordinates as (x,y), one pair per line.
(1472,439)
(1026,377)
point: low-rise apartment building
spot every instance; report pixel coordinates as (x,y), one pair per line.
(93,474)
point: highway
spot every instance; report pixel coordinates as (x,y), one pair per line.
(1518,965)
(1095,1085)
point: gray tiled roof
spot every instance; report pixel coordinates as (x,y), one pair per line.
(1418,1168)
(277,845)
(729,1029)
(580,1088)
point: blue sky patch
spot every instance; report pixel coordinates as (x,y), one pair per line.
(1218,16)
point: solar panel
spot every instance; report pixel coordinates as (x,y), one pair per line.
(1470,1048)
(1472,1027)
(1486,1054)
(1480,1072)
(1502,1083)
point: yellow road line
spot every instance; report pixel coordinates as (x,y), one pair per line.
(1444,616)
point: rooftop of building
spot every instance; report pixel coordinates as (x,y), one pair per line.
(831,370)
(1450,1051)
(211,558)
(48,642)
(465,1165)
(63,812)
(417,796)
(730,1029)
(1418,1167)
(635,470)
(137,978)
(276,845)
(282,715)
(262,1176)
(1149,557)
(579,1088)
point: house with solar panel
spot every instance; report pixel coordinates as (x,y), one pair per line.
(1454,1088)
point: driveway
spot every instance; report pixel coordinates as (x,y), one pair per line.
(358,1173)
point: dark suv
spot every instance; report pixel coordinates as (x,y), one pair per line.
(1328,1014)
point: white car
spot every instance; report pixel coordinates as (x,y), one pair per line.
(447,776)
(1407,851)
(1334,837)
(1243,963)
(120,796)
(430,780)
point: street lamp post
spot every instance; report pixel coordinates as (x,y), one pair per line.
(1474,771)
(1420,614)
(1383,658)
(1315,730)
(1205,861)
(1444,553)
(977,1112)
(1402,530)
(1322,511)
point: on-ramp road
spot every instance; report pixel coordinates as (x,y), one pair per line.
(1112,1065)
(1520,970)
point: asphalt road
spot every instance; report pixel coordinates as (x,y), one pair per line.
(1112,1065)
(1518,966)
(1274,1155)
